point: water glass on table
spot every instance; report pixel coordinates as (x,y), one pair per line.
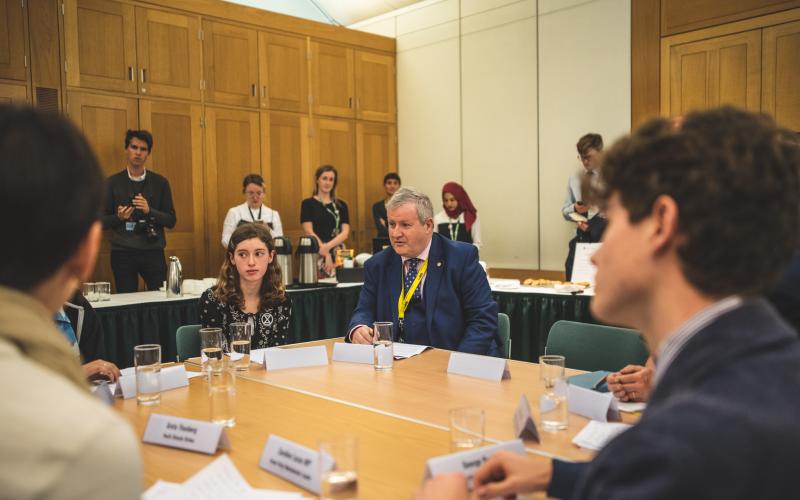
(103,289)
(222,393)
(89,290)
(467,427)
(338,465)
(210,348)
(553,403)
(383,346)
(147,362)
(240,335)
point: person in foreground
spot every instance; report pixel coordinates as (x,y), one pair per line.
(249,289)
(56,439)
(448,300)
(702,221)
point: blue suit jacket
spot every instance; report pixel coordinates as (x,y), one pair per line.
(459,310)
(722,423)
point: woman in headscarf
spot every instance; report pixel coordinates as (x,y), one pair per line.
(459,219)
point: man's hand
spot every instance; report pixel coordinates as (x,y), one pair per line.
(124,213)
(581,208)
(362,335)
(507,473)
(140,202)
(583,226)
(632,383)
(444,487)
(100,369)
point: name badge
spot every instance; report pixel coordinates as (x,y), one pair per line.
(473,365)
(293,462)
(299,357)
(130,226)
(524,426)
(467,462)
(600,406)
(186,434)
(353,353)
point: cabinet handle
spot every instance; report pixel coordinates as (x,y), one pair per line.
(253,89)
(263,91)
(130,73)
(350,102)
(142,74)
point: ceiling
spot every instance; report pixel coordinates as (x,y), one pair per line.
(341,12)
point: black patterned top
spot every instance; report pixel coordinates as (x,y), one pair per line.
(271,326)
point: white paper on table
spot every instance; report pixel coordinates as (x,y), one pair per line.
(405,351)
(217,481)
(582,267)
(163,490)
(596,434)
(629,407)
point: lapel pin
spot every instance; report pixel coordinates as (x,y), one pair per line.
(439,264)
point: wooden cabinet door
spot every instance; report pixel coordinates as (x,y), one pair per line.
(104,121)
(13,93)
(178,156)
(232,151)
(13,63)
(376,156)
(286,167)
(332,80)
(781,74)
(333,143)
(230,54)
(169,52)
(100,39)
(375,87)
(283,72)
(712,72)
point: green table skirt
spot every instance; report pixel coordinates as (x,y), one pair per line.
(319,313)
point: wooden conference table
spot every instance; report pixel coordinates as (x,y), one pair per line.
(400,418)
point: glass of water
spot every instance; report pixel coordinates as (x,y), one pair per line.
(210,348)
(467,427)
(551,368)
(553,406)
(103,289)
(89,290)
(338,462)
(147,360)
(240,335)
(222,393)
(383,347)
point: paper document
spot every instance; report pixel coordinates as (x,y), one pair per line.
(582,268)
(404,351)
(596,434)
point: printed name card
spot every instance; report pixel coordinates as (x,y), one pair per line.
(186,434)
(467,462)
(600,406)
(293,462)
(299,357)
(524,426)
(473,365)
(353,353)
(173,377)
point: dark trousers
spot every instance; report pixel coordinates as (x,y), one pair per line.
(128,265)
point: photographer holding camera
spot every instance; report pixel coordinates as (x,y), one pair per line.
(138,208)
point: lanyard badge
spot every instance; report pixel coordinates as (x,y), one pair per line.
(404,299)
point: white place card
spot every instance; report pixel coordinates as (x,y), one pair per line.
(474,365)
(293,462)
(257,355)
(596,434)
(186,434)
(467,462)
(405,351)
(600,406)
(173,377)
(299,357)
(582,268)
(353,353)
(104,393)
(524,426)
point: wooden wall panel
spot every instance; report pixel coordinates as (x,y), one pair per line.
(283,66)
(332,83)
(678,16)
(13,34)
(376,155)
(781,74)
(45,51)
(13,93)
(375,87)
(645,55)
(230,57)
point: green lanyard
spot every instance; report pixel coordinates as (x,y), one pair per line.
(336,219)
(405,298)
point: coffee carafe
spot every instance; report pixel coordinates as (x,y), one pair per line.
(283,257)
(307,253)
(174,278)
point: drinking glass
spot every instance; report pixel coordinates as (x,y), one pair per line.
(240,335)
(338,463)
(147,360)
(553,407)
(466,428)
(210,348)
(90,291)
(551,368)
(383,347)
(103,290)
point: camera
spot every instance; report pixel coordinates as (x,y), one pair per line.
(147,226)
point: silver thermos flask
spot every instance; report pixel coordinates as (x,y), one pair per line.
(283,256)
(174,278)
(307,253)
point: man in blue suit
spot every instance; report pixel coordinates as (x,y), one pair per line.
(446,300)
(701,221)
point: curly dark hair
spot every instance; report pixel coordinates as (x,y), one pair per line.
(736,181)
(228,289)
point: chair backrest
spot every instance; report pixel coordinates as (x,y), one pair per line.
(187,338)
(504,335)
(596,347)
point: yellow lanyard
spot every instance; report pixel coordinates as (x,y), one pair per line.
(404,299)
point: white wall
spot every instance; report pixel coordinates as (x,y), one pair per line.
(479,104)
